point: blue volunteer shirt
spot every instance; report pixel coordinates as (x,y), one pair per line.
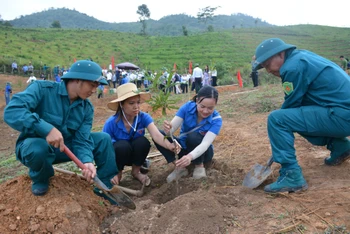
(44,105)
(8,89)
(188,112)
(125,80)
(117,130)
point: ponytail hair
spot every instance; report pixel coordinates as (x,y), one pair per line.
(206,92)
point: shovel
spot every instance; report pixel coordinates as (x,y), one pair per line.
(114,193)
(257,175)
(137,193)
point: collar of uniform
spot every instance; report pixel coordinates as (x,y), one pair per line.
(288,53)
(63,92)
(63,89)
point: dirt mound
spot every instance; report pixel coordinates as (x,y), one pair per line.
(189,206)
(69,207)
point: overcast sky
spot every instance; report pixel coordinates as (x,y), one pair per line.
(277,12)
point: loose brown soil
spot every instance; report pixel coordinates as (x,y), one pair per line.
(217,204)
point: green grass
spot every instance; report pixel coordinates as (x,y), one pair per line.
(233,48)
(336,229)
(9,162)
(266,99)
(10,167)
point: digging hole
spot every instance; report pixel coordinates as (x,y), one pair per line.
(168,192)
(218,174)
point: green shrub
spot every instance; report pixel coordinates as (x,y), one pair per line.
(161,100)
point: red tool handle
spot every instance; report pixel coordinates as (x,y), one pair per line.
(74,158)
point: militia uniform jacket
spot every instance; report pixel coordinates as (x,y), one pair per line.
(44,105)
(311,80)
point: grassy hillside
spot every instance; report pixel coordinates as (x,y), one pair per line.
(232,49)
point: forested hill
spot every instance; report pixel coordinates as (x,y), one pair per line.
(171,25)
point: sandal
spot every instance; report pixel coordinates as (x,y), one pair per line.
(145,166)
(144,179)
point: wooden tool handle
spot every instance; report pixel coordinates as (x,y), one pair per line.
(74,158)
(138,193)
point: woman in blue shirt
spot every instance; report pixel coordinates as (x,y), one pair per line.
(125,79)
(127,130)
(200,124)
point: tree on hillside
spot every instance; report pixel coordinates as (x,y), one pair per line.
(184,30)
(5,23)
(56,24)
(206,13)
(145,14)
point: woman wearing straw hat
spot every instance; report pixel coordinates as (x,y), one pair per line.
(127,130)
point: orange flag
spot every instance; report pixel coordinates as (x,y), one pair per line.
(174,67)
(75,60)
(190,67)
(113,67)
(239,78)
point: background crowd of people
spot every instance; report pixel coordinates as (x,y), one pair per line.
(178,83)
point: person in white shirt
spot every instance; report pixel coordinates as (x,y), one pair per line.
(177,81)
(31,79)
(30,68)
(14,67)
(140,76)
(198,75)
(184,82)
(109,77)
(104,72)
(133,77)
(214,74)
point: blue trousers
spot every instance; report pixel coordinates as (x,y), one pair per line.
(319,125)
(7,97)
(39,156)
(192,141)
